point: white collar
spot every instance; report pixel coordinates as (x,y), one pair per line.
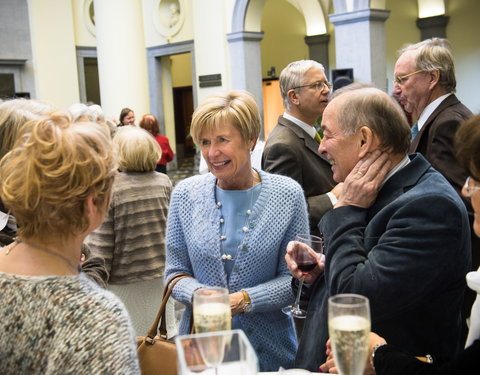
(310,130)
(399,166)
(429,110)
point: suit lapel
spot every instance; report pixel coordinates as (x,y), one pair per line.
(310,143)
(400,182)
(449,101)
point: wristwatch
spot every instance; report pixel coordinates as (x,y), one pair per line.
(372,358)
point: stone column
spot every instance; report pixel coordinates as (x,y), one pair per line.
(435,26)
(318,49)
(246,64)
(360,44)
(122,56)
(53,51)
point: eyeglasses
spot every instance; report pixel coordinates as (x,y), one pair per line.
(320,86)
(470,186)
(400,80)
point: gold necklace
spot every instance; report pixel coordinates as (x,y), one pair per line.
(47,250)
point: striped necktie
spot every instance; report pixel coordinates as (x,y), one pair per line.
(414,130)
(317,137)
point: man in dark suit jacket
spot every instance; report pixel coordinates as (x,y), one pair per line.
(292,147)
(425,83)
(399,234)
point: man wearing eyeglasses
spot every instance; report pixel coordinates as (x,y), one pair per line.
(292,147)
(424,82)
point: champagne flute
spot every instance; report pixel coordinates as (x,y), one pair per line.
(211,312)
(306,252)
(349,329)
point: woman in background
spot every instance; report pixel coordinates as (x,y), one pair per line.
(230,228)
(132,237)
(127,117)
(53,318)
(150,124)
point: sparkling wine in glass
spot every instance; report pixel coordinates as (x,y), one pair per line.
(306,253)
(211,312)
(349,329)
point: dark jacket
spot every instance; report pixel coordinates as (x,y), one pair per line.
(435,141)
(291,152)
(408,254)
(390,360)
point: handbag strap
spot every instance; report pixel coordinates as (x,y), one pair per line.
(160,318)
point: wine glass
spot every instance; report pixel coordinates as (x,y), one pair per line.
(306,252)
(349,329)
(212,312)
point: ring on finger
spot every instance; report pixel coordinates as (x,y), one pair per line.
(360,173)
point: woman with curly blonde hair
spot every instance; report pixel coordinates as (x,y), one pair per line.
(57,181)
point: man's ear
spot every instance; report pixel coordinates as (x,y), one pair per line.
(434,79)
(293,96)
(367,141)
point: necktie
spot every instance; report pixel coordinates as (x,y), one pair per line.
(317,137)
(414,130)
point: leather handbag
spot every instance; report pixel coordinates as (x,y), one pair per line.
(157,354)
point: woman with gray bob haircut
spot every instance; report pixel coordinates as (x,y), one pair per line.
(132,237)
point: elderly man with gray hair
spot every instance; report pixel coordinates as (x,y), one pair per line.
(292,147)
(396,221)
(424,82)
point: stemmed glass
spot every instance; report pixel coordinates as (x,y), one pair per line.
(349,329)
(212,312)
(306,253)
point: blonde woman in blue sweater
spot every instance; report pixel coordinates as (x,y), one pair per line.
(230,228)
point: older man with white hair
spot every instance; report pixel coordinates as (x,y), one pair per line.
(424,82)
(396,221)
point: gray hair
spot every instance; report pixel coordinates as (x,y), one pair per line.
(293,76)
(78,110)
(435,54)
(14,114)
(96,112)
(373,108)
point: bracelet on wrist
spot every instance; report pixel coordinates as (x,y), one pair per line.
(247,302)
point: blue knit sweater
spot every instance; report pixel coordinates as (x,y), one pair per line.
(193,246)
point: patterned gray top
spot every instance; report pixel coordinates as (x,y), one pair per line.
(63,325)
(132,237)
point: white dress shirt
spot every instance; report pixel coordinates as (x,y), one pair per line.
(311,131)
(429,110)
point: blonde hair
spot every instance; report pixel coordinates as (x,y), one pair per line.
(137,150)
(236,107)
(62,164)
(15,113)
